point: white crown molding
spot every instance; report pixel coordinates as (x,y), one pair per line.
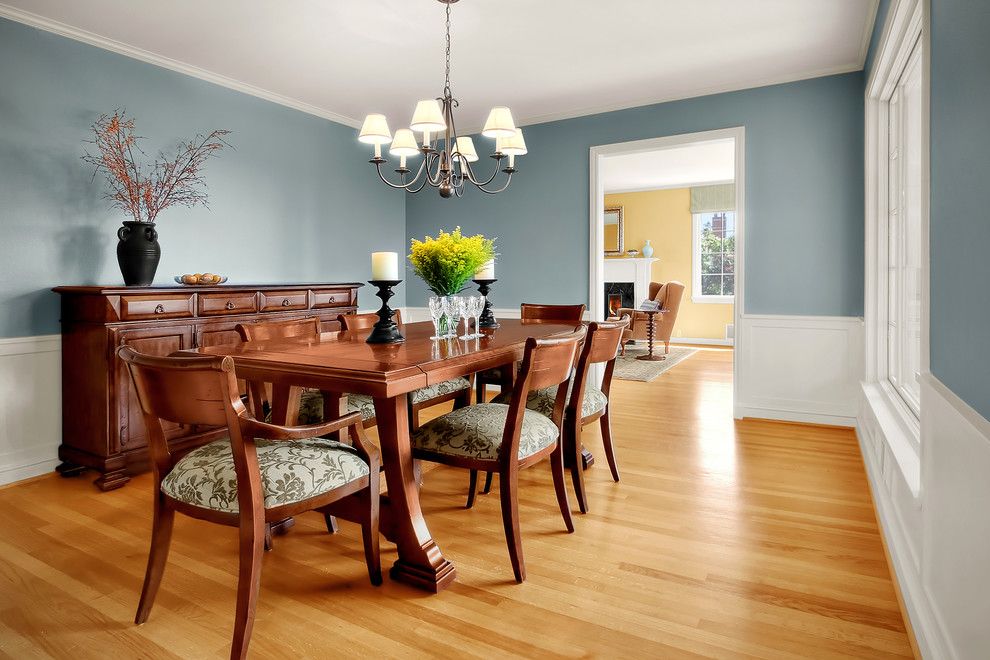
(70,32)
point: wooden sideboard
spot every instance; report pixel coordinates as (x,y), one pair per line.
(102,426)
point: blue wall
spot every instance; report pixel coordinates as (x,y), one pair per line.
(804,197)
(294,201)
(960,174)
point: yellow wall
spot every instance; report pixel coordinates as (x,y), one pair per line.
(664,217)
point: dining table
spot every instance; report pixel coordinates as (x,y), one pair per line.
(344,362)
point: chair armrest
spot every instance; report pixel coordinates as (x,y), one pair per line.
(255,429)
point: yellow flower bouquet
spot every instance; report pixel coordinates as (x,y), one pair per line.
(446,263)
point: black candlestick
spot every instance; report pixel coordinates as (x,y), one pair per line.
(385,330)
(487,319)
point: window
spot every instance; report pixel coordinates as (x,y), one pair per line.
(714,259)
(904,232)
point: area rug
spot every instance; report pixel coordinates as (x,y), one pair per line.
(627,367)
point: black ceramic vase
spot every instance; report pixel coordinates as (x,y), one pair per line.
(138,252)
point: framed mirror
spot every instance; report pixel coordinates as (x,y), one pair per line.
(614,241)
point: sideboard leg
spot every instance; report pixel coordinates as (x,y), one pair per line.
(112,480)
(70,469)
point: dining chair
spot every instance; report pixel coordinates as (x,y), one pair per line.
(504,375)
(457,389)
(260,473)
(506,438)
(586,401)
(312,404)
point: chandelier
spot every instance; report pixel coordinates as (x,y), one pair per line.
(447,163)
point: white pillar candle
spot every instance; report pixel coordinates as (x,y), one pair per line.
(385,266)
(486,272)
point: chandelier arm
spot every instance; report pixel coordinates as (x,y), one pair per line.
(508,180)
(477,182)
(406,186)
(435,178)
(426,179)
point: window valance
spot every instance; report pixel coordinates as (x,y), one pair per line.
(710,199)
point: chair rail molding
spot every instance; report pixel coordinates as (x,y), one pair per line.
(30,406)
(799,368)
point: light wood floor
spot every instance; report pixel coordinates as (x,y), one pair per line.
(724,538)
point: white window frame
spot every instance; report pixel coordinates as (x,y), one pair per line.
(696,295)
(906,27)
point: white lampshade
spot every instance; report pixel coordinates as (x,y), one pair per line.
(465,147)
(428,117)
(375,130)
(499,123)
(404,143)
(512,146)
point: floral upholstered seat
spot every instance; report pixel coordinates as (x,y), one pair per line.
(311,406)
(291,471)
(542,400)
(476,432)
(424,394)
(311,401)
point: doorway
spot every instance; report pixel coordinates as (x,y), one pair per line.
(637,178)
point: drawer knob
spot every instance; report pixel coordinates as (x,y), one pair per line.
(229,305)
(331,300)
(285,302)
(160,309)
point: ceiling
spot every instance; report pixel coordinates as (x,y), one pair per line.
(674,167)
(546,60)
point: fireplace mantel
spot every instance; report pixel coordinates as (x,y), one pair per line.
(638,270)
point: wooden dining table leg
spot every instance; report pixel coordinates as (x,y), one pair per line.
(420,562)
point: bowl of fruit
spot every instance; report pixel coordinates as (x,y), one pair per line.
(200,279)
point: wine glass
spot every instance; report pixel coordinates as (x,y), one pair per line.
(453,316)
(438,308)
(477,307)
(463,304)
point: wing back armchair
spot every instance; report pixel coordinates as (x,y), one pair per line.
(669,296)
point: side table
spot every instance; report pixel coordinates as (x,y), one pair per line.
(650,333)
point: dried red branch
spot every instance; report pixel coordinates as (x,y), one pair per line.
(176,181)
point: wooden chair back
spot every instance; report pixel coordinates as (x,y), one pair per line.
(270,330)
(546,362)
(364,321)
(259,392)
(562,313)
(601,345)
(183,390)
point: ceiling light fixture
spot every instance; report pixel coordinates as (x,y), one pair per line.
(447,166)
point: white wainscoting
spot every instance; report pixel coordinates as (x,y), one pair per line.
(938,535)
(30,406)
(799,368)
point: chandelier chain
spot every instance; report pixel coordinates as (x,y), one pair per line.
(446,85)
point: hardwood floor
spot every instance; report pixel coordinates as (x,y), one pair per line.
(724,539)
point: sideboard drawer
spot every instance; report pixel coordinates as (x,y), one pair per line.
(331,298)
(214,304)
(281,301)
(139,308)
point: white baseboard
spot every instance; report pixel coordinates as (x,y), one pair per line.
(799,368)
(936,531)
(30,406)
(701,341)
(794,416)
